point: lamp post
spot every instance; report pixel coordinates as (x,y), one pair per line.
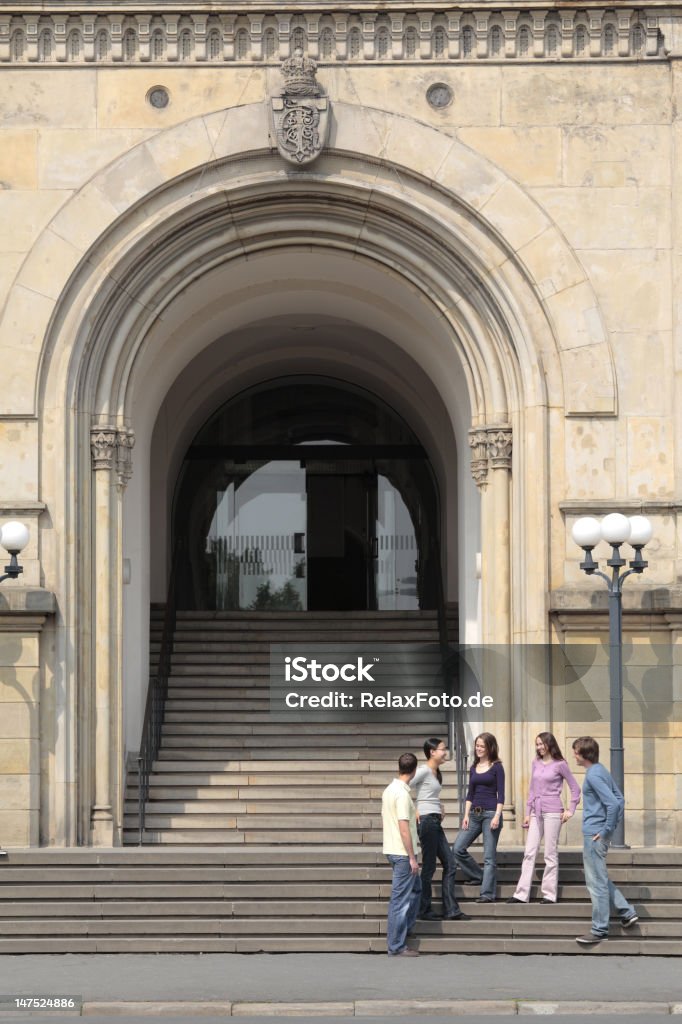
(13,538)
(615,529)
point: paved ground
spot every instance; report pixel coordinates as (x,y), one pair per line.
(331,977)
(346,979)
(635,1018)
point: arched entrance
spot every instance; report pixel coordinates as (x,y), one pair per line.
(305,494)
(406,233)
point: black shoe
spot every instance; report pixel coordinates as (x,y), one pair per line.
(513,899)
(484,899)
(457,917)
(430,915)
(629,921)
(550,902)
(472,881)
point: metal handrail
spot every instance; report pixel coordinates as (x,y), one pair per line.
(157,693)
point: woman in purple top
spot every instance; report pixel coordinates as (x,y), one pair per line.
(482,813)
(545,815)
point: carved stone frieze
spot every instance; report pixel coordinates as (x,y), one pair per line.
(442,35)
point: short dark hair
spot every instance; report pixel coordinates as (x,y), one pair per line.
(406,764)
(588,748)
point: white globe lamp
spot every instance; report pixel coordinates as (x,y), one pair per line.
(641,531)
(615,528)
(586,532)
(14,537)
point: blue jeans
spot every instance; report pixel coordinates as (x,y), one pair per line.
(479,822)
(406,893)
(435,846)
(603,892)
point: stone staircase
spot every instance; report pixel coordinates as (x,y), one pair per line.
(229,772)
(304,899)
(254,843)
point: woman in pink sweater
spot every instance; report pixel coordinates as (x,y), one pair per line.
(545,815)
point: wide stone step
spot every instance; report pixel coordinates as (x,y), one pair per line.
(217,736)
(333,796)
(283,764)
(253,805)
(329,944)
(266,724)
(189,704)
(261,757)
(156,819)
(352,783)
(314,634)
(334,925)
(251,721)
(218,837)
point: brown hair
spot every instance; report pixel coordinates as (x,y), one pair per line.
(406,764)
(588,748)
(550,742)
(490,747)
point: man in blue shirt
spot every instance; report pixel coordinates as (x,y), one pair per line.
(603,806)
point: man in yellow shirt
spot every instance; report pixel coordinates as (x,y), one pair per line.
(400,846)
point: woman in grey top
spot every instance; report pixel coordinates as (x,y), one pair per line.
(427,784)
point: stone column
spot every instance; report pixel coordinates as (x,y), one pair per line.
(111,449)
(491,468)
(103,447)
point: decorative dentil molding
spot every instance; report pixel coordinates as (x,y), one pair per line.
(111,448)
(491,447)
(442,35)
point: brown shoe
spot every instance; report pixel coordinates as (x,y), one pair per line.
(406,952)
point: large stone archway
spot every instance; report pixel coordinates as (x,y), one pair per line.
(197,218)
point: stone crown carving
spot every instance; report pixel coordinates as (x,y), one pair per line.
(299,73)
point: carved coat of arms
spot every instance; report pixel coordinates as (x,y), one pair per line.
(301,113)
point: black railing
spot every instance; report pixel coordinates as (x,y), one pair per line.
(150,740)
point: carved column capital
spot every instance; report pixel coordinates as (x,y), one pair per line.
(125,442)
(103,446)
(491,448)
(500,446)
(478,442)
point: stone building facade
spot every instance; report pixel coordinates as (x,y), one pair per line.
(488,240)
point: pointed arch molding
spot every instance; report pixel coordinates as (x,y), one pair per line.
(525,316)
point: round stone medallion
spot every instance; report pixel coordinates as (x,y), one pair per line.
(439,95)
